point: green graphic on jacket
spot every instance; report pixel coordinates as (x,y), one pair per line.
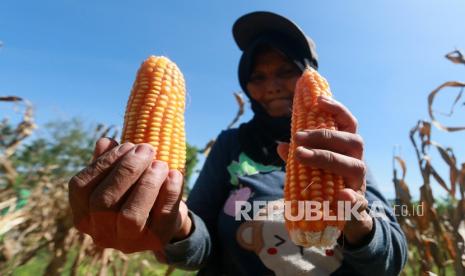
(247,166)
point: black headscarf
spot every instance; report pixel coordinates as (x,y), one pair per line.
(259,136)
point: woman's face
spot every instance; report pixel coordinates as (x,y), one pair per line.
(272,82)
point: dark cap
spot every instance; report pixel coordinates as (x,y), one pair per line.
(256,28)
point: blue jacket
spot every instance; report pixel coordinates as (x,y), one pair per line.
(223,243)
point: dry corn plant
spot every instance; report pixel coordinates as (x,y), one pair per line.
(436,239)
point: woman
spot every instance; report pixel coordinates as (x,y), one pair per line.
(209,232)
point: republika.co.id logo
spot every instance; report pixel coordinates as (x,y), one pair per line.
(307,210)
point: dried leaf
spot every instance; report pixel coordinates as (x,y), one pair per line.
(428,255)
(402,165)
(461,229)
(461,177)
(430,105)
(425,129)
(8,204)
(402,190)
(449,157)
(104,262)
(240,102)
(412,133)
(451,112)
(145,263)
(449,244)
(424,219)
(239,99)
(207,148)
(11,99)
(439,179)
(8,250)
(404,193)
(433,250)
(456,57)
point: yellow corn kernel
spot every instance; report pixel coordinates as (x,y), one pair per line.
(304,183)
(155,111)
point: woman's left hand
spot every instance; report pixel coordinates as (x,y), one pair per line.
(341,152)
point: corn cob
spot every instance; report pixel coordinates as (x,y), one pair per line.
(155,111)
(304,183)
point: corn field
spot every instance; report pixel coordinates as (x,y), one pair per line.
(35,218)
(436,239)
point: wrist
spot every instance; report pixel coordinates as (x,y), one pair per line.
(185,225)
(184,231)
(358,230)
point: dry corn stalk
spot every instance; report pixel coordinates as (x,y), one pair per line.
(305,183)
(155,111)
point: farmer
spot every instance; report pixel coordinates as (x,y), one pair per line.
(126,201)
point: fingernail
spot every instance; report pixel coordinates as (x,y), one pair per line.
(113,141)
(308,152)
(104,138)
(101,140)
(143,149)
(326,99)
(300,134)
(125,147)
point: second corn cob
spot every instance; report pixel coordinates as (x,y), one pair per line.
(305,183)
(155,111)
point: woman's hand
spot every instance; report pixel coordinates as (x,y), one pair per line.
(126,201)
(340,152)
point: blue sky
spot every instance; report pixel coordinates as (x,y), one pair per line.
(79,58)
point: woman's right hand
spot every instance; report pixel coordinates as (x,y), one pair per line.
(126,201)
